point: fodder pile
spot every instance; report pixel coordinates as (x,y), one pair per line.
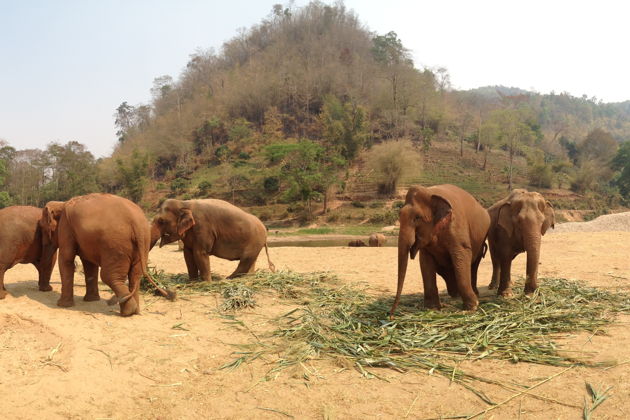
(343,322)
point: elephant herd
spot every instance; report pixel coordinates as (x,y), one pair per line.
(443,223)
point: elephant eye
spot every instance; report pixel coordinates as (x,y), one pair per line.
(417,217)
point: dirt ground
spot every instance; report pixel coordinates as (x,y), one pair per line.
(87,362)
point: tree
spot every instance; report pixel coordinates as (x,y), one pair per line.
(621,163)
(72,171)
(133,175)
(124,120)
(391,161)
(514,131)
(344,126)
(598,145)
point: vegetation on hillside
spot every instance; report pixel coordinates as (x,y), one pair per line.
(308,103)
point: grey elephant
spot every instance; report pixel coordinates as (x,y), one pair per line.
(377,239)
(211,227)
(517,224)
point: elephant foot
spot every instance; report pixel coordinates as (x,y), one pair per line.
(507,293)
(3,294)
(492,286)
(45,287)
(129,308)
(453,293)
(65,303)
(432,304)
(471,306)
(529,290)
(112,300)
(91,298)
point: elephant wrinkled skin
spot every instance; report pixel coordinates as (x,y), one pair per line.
(211,227)
(22,242)
(517,224)
(448,227)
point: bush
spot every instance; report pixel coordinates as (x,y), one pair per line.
(391,161)
(204,187)
(358,204)
(179,185)
(388,217)
(540,176)
(5,199)
(398,205)
(244,156)
(271,184)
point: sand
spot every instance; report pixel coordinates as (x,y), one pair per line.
(87,362)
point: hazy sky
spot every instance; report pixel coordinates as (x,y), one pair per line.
(66,65)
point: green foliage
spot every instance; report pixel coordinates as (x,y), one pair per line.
(621,163)
(239,130)
(73,171)
(5,199)
(133,175)
(358,204)
(204,187)
(179,185)
(344,126)
(271,184)
(222,153)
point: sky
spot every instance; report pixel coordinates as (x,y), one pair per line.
(66,65)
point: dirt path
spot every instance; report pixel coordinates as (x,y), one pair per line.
(87,362)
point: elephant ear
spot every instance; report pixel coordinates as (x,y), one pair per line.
(442,213)
(504,218)
(185,221)
(50,218)
(550,218)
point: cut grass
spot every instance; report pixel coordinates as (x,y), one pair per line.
(343,323)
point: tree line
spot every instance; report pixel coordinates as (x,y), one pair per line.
(286,109)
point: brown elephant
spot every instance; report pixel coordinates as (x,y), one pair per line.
(356,243)
(105,231)
(517,224)
(211,227)
(22,242)
(377,239)
(448,227)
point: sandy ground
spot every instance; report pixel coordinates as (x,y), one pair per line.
(87,362)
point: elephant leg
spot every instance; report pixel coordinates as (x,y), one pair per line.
(115,274)
(462,265)
(428,270)
(449,278)
(193,271)
(44,271)
(496,267)
(135,277)
(245,265)
(473,275)
(3,291)
(202,261)
(91,281)
(66,270)
(505,282)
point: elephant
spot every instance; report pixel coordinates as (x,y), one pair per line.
(211,227)
(105,231)
(517,224)
(356,243)
(22,242)
(448,227)
(377,239)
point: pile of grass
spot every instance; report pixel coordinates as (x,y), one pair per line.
(344,323)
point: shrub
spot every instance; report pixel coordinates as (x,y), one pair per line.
(391,161)
(271,184)
(388,217)
(179,185)
(204,187)
(358,204)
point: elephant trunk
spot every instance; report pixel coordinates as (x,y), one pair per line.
(406,238)
(531,243)
(155,235)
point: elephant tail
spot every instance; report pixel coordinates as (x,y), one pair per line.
(272,267)
(167,293)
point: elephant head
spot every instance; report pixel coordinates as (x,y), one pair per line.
(51,213)
(422,218)
(172,222)
(525,217)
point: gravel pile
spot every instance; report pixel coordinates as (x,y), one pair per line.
(606,223)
